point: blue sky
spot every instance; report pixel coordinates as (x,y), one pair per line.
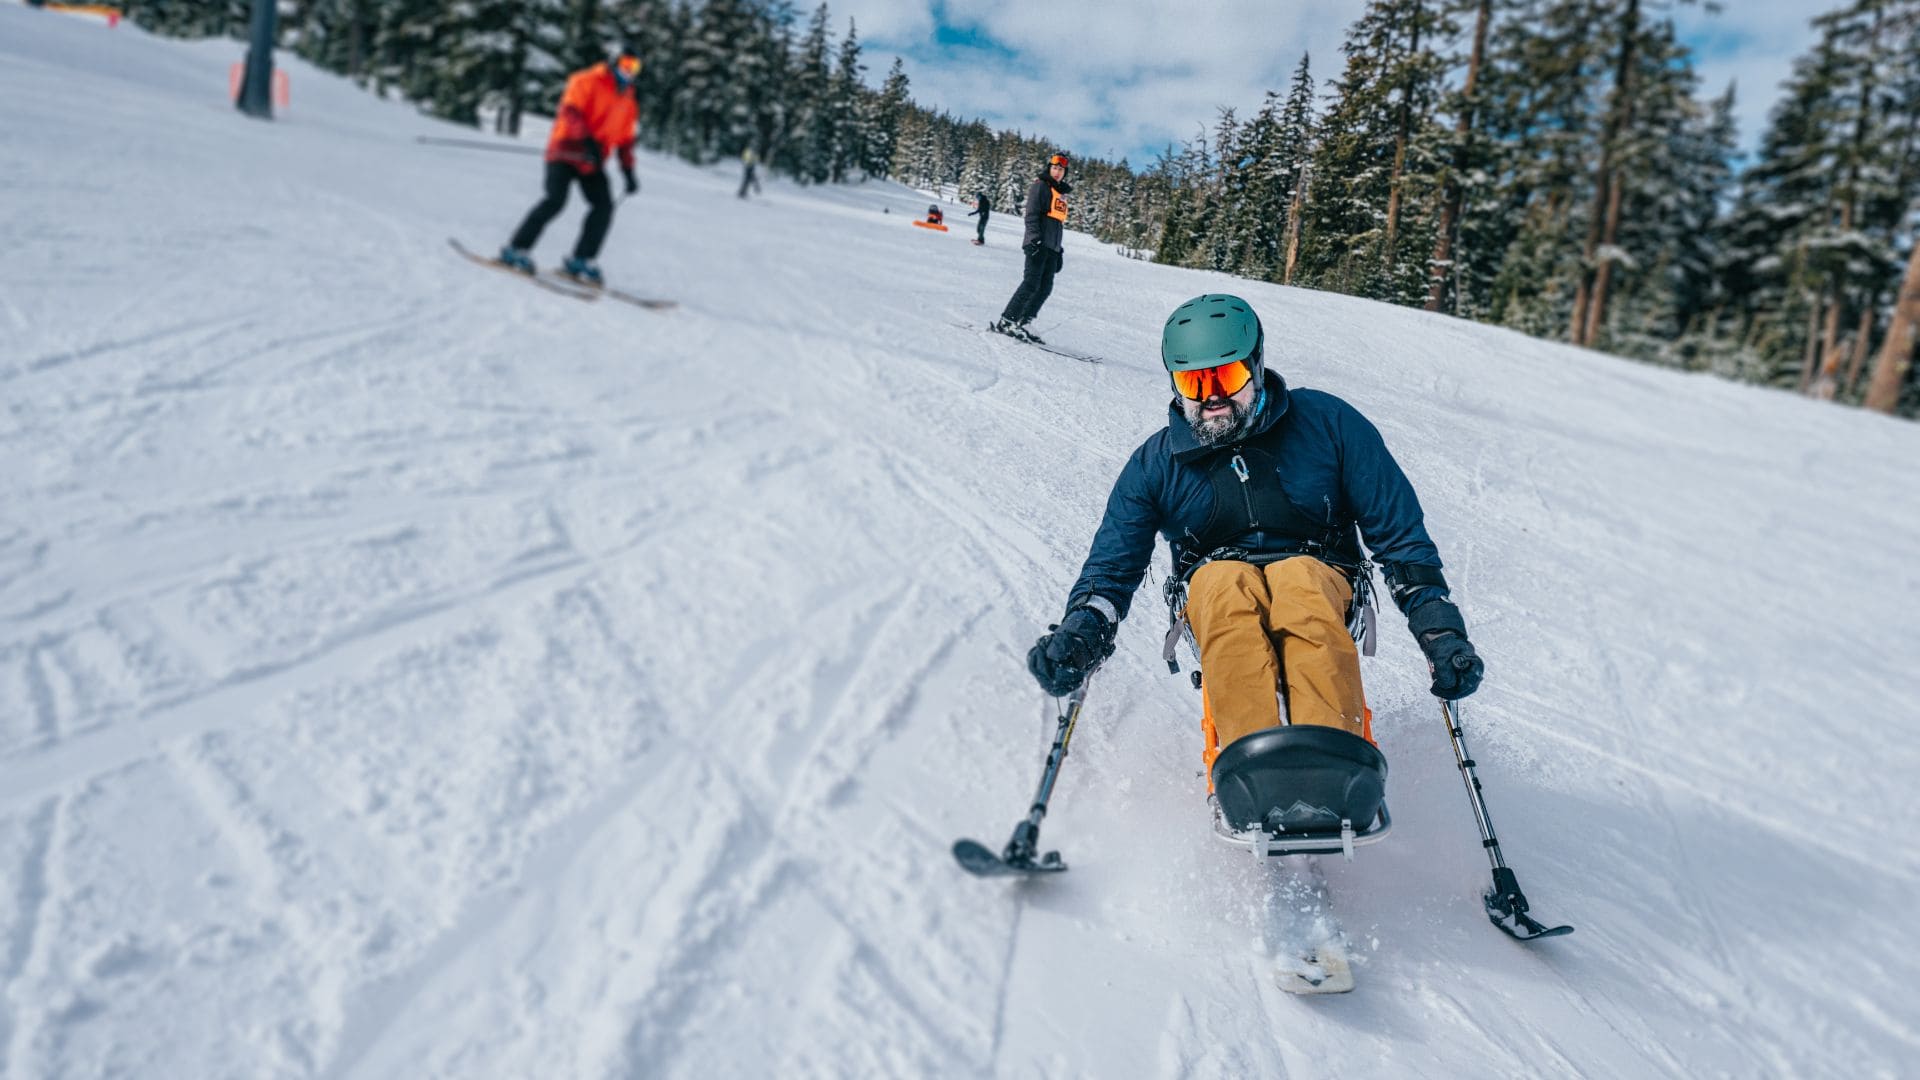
(1126,77)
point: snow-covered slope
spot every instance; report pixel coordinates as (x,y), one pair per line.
(405,672)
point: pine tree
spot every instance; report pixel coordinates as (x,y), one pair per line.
(883,125)
(1466,153)
(1516,259)
(845,108)
(813,84)
(1377,150)
(1260,228)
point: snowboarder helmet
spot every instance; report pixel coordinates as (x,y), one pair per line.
(1213,344)
(1058,159)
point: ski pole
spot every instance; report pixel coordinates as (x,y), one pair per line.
(1026,835)
(1017,858)
(1506,904)
(476,144)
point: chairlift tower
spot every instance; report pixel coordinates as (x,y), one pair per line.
(256,88)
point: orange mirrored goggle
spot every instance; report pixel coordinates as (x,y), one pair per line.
(628,66)
(1223,381)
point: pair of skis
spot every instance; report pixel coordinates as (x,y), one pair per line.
(577,288)
(1301,928)
(1085,358)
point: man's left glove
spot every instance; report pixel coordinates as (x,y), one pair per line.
(1061,659)
(633,182)
(1442,634)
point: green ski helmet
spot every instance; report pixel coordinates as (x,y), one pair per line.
(1211,330)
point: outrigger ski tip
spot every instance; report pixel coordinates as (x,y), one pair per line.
(1507,909)
(980,861)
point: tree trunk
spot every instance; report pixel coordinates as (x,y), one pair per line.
(1293,222)
(1811,354)
(1400,147)
(1851,383)
(1604,272)
(1896,352)
(1829,382)
(1829,349)
(1621,118)
(1456,191)
(1581,331)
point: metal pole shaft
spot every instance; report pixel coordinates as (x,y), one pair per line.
(1054,757)
(1451,713)
(1027,834)
(256,87)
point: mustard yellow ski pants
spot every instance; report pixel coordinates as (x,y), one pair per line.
(1254,623)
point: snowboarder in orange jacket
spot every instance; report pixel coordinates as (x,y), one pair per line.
(598,116)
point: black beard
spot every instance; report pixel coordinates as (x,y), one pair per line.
(1220,429)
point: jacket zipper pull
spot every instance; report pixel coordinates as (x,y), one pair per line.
(1246,491)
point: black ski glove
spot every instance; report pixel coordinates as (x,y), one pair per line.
(1029,249)
(633,182)
(1061,659)
(1456,668)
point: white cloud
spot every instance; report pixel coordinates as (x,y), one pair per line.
(1113,77)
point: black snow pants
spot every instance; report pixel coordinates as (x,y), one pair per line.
(1042,263)
(980,234)
(593,232)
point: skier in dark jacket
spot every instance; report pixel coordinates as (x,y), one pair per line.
(1046,220)
(1263,493)
(983,208)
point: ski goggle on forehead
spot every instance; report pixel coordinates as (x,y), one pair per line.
(628,66)
(1202,383)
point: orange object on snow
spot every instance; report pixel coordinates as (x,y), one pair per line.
(104,11)
(282,88)
(1211,735)
(596,118)
(934,225)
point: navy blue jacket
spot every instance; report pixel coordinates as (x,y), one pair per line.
(1041,227)
(1335,469)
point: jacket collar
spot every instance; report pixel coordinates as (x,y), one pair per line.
(1272,405)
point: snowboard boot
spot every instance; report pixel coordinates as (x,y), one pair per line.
(584,271)
(516,259)
(1023,331)
(1002,325)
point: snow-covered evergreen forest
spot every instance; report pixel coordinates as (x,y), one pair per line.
(1553,166)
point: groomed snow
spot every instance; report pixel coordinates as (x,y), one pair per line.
(405,672)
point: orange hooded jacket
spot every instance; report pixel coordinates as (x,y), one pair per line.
(596,118)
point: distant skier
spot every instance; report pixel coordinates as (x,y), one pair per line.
(598,116)
(1264,494)
(983,208)
(748,173)
(1046,221)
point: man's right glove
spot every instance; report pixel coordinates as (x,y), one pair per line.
(1442,635)
(1061,659)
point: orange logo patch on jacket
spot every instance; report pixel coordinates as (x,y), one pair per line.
(1058,211)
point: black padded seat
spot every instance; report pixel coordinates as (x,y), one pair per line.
(1300,779)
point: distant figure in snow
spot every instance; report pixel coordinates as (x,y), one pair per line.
(934,216)
(748,175)
(983,207)
(598,116)
(1046,221)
